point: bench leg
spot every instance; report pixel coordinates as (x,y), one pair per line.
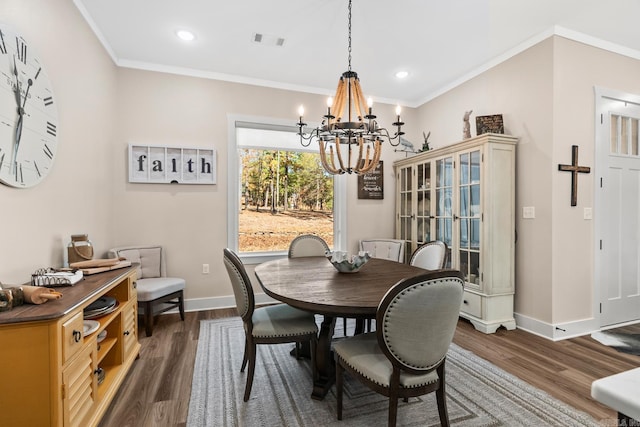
(627,421)
(148,319)
(181,305)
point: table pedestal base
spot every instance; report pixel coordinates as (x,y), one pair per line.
(325,374)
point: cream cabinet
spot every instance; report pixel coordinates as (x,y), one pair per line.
(464,195)
(56,375)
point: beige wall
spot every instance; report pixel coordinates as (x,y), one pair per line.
(546,95)
(578,68)
(76,196)
(521,90)
(191,221)
(102,109)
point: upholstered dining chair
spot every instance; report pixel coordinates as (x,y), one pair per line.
(157,292)
(273,324)
(307,245)
(430,256)
(400,360)
(391,249)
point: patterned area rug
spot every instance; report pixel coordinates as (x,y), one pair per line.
(478,393)
(625,343)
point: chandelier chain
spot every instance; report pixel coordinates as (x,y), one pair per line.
(349,35)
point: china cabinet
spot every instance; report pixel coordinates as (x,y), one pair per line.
(464,195)
(59,372)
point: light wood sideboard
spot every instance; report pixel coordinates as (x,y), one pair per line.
(49,374)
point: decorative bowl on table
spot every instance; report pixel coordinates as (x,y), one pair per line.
(345,263)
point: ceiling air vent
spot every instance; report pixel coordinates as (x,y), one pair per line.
(267,40)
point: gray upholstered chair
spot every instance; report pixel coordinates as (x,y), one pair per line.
(157,293)
(390,249)
(273,324)
(401,360)
(307,245)
(430,256)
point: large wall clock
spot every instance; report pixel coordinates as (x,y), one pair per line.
(28,113)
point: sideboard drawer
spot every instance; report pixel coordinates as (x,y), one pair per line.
(72,336)
(471,304)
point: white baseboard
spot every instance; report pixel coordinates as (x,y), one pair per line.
(200,304)
(559,331)
(554,332)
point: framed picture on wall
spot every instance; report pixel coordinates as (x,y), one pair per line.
(371,184)
(171,165)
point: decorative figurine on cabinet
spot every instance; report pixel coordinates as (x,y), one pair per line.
(425,145)
(466,128)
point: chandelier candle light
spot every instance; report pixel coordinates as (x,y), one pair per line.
(360,130)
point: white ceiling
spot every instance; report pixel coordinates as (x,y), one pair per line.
(440,43)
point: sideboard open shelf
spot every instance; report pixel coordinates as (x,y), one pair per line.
(51,371)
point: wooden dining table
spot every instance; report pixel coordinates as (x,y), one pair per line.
(314,285)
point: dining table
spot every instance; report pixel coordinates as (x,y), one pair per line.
(313,284)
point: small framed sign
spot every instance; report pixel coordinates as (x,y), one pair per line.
(489,124)
(371,184)
(168,165)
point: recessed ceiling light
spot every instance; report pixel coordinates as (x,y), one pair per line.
(185,35)
(402,74)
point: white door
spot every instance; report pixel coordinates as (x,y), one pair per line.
(618,210)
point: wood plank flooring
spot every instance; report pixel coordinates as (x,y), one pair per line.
(157,389)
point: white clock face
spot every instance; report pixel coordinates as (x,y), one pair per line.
(28,114)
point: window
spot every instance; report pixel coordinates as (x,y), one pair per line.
(277,190)
(624,135)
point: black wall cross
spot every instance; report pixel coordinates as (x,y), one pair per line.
(574,169)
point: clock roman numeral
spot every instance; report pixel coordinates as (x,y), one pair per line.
(47,151)
(3,47)
(48,101)
(51,129)
(37,169)
(1,161)
(19,176)
(21,50)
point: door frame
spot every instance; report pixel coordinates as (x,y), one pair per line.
(603,99)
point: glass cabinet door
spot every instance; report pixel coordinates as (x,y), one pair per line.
(405,210)
(423,210)
(444,203)
(469,215)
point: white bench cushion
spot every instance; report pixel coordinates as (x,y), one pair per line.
(156,287)
(620,392)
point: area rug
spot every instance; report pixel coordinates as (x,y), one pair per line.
(478,393)
(625,343)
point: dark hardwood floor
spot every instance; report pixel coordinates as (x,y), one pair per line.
(157,389)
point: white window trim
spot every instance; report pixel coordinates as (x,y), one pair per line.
(233,193)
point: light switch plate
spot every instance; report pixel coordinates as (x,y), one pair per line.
(588,213)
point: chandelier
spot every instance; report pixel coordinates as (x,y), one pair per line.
(349,137)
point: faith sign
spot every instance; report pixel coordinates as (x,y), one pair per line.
(171,165)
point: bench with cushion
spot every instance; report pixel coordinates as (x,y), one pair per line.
(157,293)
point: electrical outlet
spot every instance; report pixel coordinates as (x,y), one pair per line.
(528,212)
(588,213)
(205,268)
